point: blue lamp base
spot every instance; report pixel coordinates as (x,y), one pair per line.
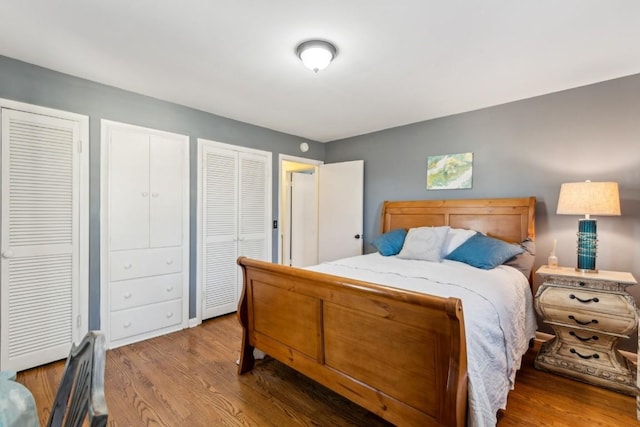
(587,246)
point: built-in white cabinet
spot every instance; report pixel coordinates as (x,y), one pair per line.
(235,220)
(145,234)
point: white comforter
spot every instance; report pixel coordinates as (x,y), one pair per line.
(498,315)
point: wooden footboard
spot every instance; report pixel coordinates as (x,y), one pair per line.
(400,354)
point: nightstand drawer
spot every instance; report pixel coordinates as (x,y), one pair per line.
(575,336)
(594,357)
(586,301)
(606,322)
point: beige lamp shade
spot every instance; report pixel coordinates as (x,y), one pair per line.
(589,198)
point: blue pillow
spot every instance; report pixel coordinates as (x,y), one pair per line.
(390,243)
(484,252)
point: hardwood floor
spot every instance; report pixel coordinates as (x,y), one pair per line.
(189,379)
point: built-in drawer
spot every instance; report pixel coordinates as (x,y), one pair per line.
(126,265)
(148,290)
(139,320)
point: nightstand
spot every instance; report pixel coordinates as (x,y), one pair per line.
(589,313)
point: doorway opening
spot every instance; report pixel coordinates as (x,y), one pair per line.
(298,211)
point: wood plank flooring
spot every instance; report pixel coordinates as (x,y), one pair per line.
(189,378)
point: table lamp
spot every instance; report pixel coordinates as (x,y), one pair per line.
(588,198)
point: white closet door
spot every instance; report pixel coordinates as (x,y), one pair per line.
(253,220)
(129,190)
(40,238)
(166,204)
(220,206)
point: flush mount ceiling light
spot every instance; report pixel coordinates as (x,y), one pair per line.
(316,54)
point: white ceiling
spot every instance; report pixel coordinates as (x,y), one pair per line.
(398,62)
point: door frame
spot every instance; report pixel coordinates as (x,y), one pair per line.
(80,326)
(283,195)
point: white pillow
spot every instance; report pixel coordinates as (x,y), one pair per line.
(455,238)
(424,243)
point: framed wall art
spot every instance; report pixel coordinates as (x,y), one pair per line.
(450,171)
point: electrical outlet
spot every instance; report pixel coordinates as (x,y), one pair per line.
(275,224)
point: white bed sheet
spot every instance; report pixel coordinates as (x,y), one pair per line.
(498,314)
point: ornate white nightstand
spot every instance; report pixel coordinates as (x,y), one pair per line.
(589,313)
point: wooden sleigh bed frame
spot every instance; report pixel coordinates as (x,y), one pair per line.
(399,354)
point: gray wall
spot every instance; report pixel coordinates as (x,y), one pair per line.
(523,148)
(27,83)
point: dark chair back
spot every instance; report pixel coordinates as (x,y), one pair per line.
(81,390)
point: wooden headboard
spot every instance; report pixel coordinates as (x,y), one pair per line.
(511,220)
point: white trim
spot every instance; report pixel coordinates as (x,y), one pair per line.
(202,142)
(105,127)
(281,197)
(46,111)
(83,206)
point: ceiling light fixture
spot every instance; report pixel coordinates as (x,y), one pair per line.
(316,54)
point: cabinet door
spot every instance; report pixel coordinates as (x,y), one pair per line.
(128,189)
(220,204)
(166,159)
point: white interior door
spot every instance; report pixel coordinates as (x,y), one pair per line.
(304,220)
(234,219)
(220,220)
(40,264)
(340,207)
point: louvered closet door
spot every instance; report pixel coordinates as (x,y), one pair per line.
(254,223)
(40,240)
(220,213)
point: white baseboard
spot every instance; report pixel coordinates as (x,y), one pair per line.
(194,322)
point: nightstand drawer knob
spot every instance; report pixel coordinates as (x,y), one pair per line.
(572,296)
(582,283)
(584,339)
(588,356)
(581,322)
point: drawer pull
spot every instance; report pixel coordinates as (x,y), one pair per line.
(169,288)
(128,295)
(584,301)
(128,266)
(589,356)
(581,283)
(581,322)
(169,315)
(169,261)
(127,325)
(594,337)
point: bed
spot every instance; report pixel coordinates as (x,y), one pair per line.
(400,353)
